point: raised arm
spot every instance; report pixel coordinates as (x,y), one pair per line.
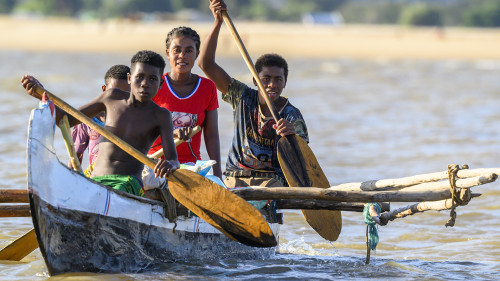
(208,48)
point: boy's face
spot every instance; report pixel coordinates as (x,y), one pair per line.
(182,54)
(121,84)
(144,81)
(273,80)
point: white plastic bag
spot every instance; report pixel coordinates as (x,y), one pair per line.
(149,180)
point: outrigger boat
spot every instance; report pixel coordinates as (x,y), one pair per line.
(84,226)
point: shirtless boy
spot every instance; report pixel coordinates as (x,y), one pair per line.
(85,137)
(134,118)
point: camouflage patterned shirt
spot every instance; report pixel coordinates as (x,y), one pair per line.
(254,141)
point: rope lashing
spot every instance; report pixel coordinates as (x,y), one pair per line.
(459,196)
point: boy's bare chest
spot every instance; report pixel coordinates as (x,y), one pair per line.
(132,123)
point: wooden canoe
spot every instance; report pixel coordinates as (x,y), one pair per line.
(83,226)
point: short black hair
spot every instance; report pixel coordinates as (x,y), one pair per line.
(272,60)
(149,57)
(118,72)
(183,31)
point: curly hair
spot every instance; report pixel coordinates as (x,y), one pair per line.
(149,57)
(118,72)
(183,31)
(271,60)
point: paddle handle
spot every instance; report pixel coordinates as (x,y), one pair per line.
(159,153)
(249,63)
(101,130)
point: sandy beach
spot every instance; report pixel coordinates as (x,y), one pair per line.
(296,40)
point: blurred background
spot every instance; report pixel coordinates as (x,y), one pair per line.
(473,13)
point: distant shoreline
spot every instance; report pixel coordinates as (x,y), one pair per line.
(290,40)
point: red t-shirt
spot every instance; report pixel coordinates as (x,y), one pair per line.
(187,111)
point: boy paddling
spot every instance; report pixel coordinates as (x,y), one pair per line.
(134,118)
(252,157)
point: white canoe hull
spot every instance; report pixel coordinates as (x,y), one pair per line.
(83,226)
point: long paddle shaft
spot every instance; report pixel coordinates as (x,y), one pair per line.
(224,210)
(250,65)
(297,160)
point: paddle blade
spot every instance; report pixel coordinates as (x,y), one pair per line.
(20,248)
(328,224)
(301,169)
(227,212)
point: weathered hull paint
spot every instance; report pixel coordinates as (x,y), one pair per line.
(74,241)
(83,226)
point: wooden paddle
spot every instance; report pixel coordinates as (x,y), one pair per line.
(21,247)
(224,210)
(299,165)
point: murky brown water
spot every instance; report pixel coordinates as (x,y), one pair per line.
(366,119)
